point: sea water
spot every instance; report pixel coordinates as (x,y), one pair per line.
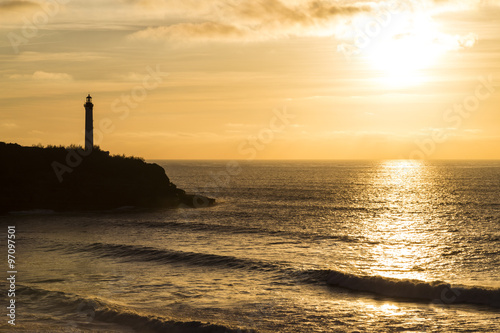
(372,246)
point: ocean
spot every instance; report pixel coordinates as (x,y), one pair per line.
(291,246)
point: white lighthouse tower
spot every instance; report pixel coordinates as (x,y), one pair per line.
(89,124)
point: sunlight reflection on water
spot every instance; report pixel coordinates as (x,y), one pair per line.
(400,234)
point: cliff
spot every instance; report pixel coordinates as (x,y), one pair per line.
(59,178)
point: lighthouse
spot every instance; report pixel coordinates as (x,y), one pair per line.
(89,124)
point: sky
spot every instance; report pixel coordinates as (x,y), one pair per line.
(253,79)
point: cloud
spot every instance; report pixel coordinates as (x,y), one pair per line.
(131,76)
(39,75)
(16,5)
(461,5)
(255,20)
(445,42)
(43,76)
(269,10)
(193,31)
(170,135)
(13,10)
(467,41)
(10,125)
(306,13)
(490,3)
(60,56)
(322,10)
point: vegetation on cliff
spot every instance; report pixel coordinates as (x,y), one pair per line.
(60,178)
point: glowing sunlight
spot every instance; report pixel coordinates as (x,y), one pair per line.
(402,184)
(405,51)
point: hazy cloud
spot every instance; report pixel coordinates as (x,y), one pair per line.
(463,42)
(307,13)
(13,10)
(10,125)
(255,20)
(61,56)
(168,134)
(43,76)
(15,5)
(196,31)
(462,5)
(39,75)
(320,9)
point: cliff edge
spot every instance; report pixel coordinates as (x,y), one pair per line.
(62,179)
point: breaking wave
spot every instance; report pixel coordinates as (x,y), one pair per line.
(89,310)
(435,291)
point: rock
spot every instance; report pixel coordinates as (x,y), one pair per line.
(61,179)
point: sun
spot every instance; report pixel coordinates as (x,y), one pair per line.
(403,54)
(402,61)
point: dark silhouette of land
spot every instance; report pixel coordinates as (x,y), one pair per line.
(62,179)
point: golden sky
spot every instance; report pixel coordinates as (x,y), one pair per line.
(252,79)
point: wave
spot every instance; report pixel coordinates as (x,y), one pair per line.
(232,229)
(156,324)
(435,291)
(165,256)
(90,309)
(151,254)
